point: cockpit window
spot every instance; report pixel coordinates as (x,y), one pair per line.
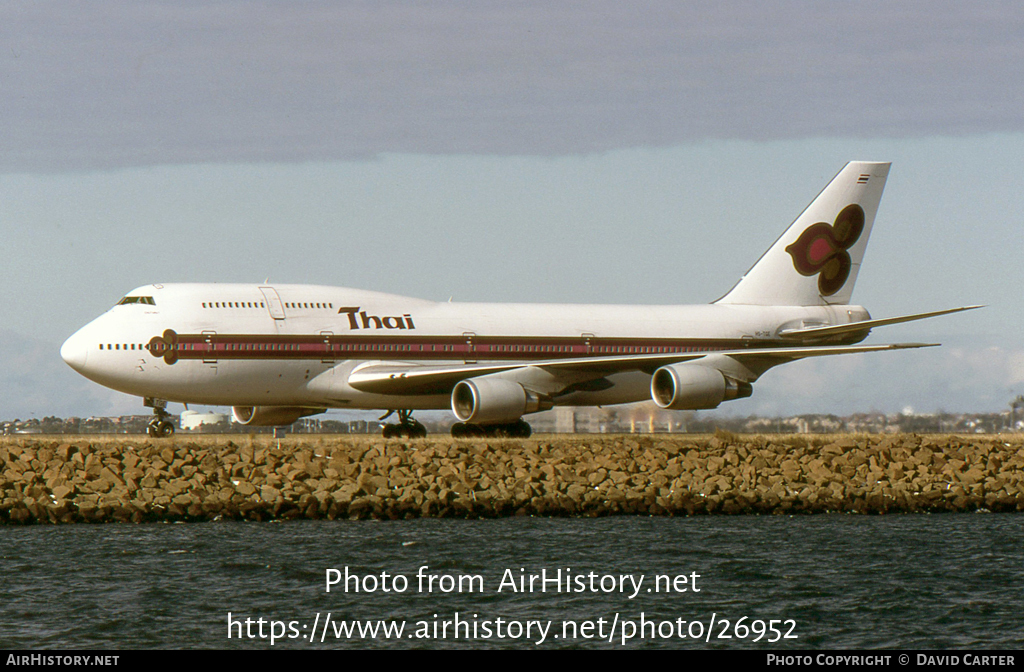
(148,300)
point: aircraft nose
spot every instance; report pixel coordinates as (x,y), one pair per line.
(75,352)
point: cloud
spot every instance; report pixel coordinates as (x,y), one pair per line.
(117,83)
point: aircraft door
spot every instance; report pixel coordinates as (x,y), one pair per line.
(470,348)
(273,302)
(588,339)
(328,356)
(210,348)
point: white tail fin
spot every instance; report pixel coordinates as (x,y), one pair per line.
(815,262)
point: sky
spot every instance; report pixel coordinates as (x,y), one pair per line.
(595,152)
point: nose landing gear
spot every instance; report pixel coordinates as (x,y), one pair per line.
(160,425)
(406,427)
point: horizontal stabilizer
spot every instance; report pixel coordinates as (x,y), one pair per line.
(864,325)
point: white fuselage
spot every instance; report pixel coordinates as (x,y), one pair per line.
(296,345)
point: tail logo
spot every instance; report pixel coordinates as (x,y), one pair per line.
(822,249)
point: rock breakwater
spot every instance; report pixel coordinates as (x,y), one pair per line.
(211,478)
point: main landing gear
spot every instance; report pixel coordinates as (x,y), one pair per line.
(406,427)
(520,429)
(161,424)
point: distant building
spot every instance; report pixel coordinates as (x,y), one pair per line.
(565,420)
(193,421)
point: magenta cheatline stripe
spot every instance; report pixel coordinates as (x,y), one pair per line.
(172,346)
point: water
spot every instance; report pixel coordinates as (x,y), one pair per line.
(834,581)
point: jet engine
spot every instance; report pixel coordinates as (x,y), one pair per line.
(271,416)
(692,386)
(484,401)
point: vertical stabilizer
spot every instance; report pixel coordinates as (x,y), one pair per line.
(815,262)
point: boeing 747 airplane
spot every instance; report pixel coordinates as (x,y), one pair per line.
(276,353)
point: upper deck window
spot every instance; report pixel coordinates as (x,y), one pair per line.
(148,300)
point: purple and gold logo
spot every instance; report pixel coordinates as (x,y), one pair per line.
(822,249)
(164,346)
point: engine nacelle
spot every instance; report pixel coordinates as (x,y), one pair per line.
(271,416)
(692,386)
(492,400)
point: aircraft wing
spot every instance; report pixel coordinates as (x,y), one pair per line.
(412,379)
(865,325)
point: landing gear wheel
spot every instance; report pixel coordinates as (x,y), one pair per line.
(160,428)
(406,427)
(161,424)
(520,429)
(417,430)
(463,430)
